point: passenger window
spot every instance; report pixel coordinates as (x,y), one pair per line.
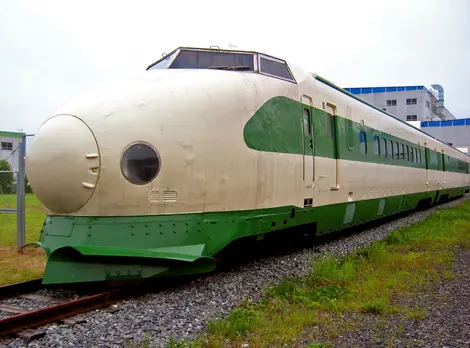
(412,157)
(419,155)
(377,145)
(416,156)
(402,152)
(363,142)
(407,153)
(390,148)
(307,130)
(384,147)
(397,151)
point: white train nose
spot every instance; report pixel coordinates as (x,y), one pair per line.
(63,164)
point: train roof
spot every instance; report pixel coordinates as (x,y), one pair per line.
(255,62)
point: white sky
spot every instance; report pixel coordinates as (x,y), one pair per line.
(51,51)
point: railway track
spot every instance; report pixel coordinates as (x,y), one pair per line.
(23,322)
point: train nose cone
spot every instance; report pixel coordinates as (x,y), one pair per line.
(63,164)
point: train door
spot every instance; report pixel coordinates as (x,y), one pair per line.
(426,159)
(333,144)
(444,175)
(468,172)
(308,148)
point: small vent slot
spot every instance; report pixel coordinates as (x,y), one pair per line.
(308,202)
(169,196)
(154,196)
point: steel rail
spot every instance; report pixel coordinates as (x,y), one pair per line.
(16,323)
(20,288)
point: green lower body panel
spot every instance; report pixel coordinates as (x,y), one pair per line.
(82,249)
(74,264)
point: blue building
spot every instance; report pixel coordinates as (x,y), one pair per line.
(453,132)
(408,103)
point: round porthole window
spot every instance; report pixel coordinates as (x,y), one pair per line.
(140,164)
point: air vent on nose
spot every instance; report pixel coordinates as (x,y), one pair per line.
(169,196)
(162,197)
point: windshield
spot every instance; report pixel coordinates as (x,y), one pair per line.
(213,60)
(187,58)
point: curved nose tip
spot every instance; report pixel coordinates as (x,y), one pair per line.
(63,163)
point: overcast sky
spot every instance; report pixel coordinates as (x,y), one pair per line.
(51,51)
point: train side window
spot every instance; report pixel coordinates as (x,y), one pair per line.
(384,151)
(402,152)
(330,126)
(397,150)
(377,145)
(416,155)
(307,130)
(407,153)
(412,157)
(275,68)
(363,142)
(390,148)
(419,155)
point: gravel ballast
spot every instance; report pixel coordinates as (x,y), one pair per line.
(182,312)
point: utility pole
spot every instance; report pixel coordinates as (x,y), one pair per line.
(20,195)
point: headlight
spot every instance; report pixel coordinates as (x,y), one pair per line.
(140,164)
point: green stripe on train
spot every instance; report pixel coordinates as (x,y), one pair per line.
(83,248)
(277,127)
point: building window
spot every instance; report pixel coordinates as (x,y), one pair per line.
(411,101)
(391,102)
(412,117)
(7,146)
(363,143)
(377,145)
(427,104)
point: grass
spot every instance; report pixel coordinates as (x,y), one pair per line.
(14,266)
(366,281)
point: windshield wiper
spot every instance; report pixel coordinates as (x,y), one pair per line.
(226,67)
(223,67)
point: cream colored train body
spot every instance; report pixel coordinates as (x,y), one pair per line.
(160,172)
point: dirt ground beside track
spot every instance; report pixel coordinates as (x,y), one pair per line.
(442,318)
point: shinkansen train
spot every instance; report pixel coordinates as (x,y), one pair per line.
(154,175)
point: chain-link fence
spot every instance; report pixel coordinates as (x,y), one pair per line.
(21,215)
